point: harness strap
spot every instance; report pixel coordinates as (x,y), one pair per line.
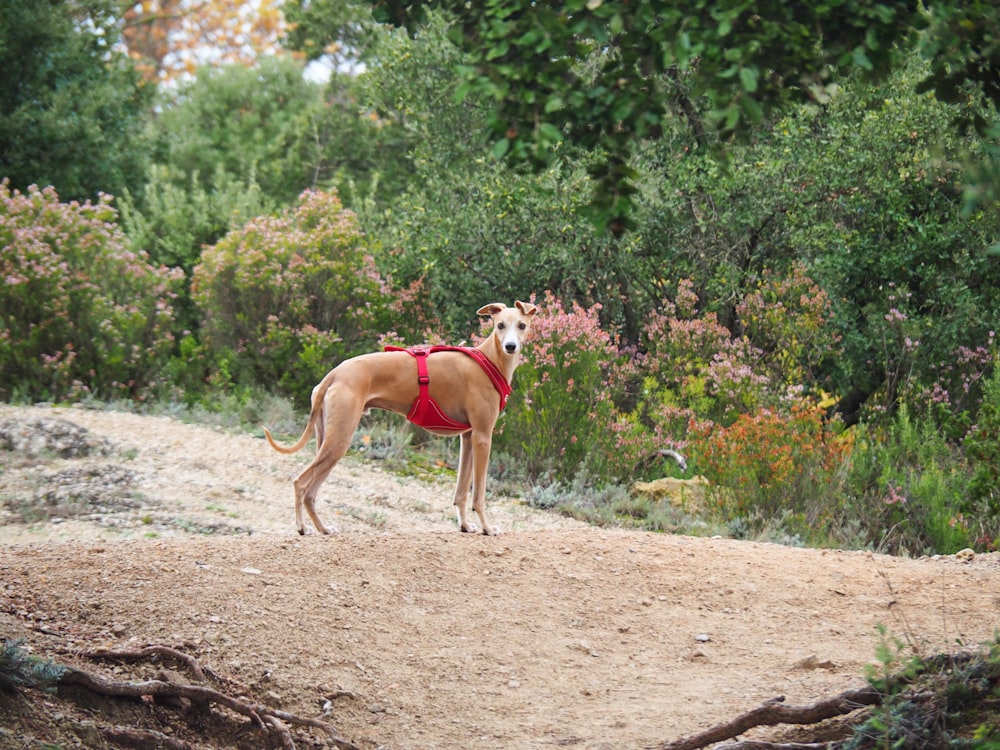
(420,353)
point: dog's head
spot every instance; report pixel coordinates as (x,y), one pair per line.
(510,324)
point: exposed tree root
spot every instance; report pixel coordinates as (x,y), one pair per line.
(775,712)
(142,739)
(271,721)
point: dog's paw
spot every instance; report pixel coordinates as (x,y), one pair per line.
(492,531)
(469,528)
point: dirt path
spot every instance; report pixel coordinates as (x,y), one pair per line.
(552,635)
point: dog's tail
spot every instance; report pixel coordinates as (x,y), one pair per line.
(306,435)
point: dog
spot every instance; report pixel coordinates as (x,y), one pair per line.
(454,381)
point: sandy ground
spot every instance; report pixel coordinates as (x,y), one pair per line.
(414,635)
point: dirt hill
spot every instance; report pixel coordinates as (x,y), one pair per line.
(400,631)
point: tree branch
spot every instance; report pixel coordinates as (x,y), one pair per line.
(773,712)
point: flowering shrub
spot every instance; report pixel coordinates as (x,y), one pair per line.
(286,298)
(80,314)
(566,384)
(788,320)
(693,362)
(769,463)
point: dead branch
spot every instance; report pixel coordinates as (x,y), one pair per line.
(268,719)
(774,712)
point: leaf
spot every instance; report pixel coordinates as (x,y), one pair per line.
(500,148)
(748,79)
(860,58)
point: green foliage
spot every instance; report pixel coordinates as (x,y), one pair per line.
(328,29)
(528,59)
(175,223)
(71,103)
(863,195)
(286,298)
(982,447)
(255,124)
(469,229)
(79,312)
(19,669)
(908,489)
(941,701)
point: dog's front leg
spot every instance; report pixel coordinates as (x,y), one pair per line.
(464,482)
(481,446)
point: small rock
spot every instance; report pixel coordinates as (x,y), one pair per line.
(251,571)
(813,662)
(702,638)
(965,555)
(585,647)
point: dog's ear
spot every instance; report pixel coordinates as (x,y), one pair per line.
(526,308)
(491,309)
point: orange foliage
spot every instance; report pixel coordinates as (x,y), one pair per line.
(169,39)
(767,458)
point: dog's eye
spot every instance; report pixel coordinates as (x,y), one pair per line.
(501,326)
(522,326)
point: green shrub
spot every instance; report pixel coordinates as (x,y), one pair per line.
(80,313)
(19,669)
(982,446)
(286,298)
(908,487)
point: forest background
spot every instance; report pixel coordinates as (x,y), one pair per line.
(765,238)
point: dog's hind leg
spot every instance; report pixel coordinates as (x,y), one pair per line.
(339,421)
(464,482)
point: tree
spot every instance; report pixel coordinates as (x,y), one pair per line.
(470,229)
(249,121)
(866,191)
(170,39)
(602,75)
(71,104)
(742,60)
(338,30)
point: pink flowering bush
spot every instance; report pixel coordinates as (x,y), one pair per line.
(287,297)
(564,391)
(787,318)
(80,314)
(694,364)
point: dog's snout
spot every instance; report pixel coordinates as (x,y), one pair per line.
(511,347)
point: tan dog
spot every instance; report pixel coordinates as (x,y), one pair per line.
(388,380)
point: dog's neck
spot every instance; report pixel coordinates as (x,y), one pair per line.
(506,363)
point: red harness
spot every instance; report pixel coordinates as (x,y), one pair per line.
(425,411)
